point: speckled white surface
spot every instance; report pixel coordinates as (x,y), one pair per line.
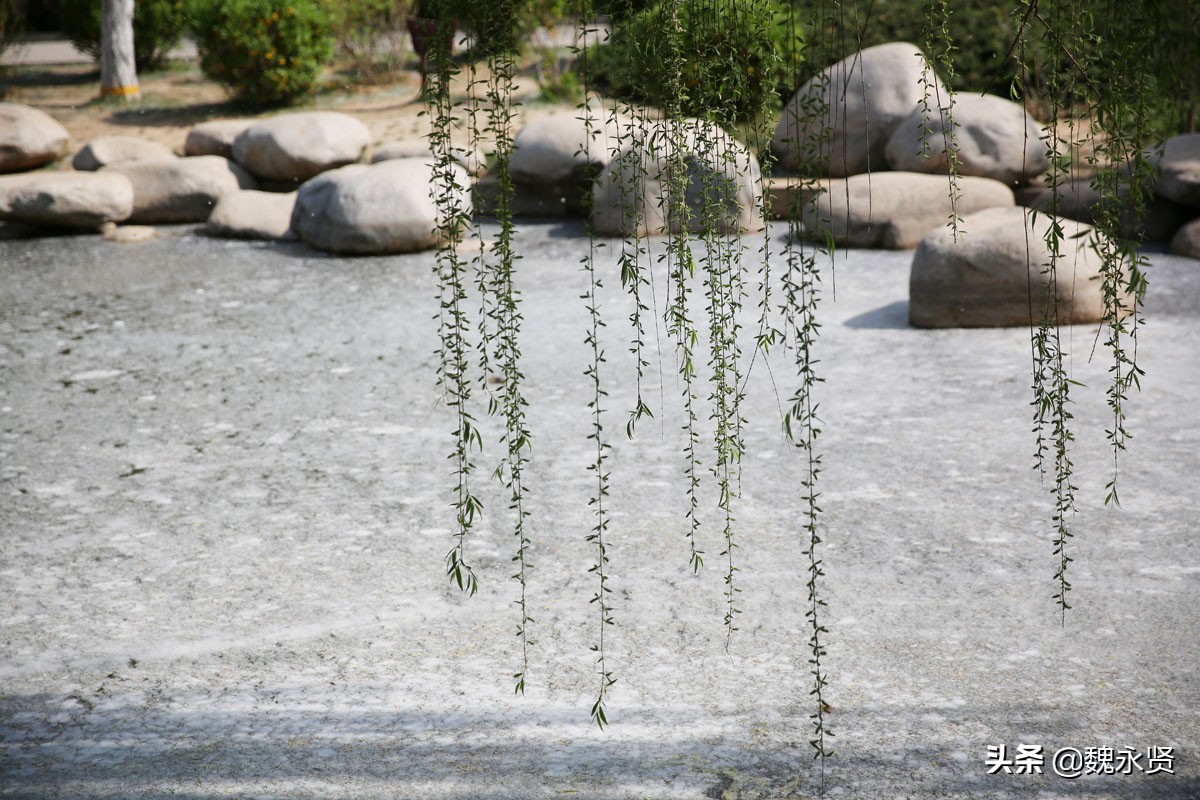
(223,513)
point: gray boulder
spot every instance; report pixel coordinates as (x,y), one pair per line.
(555,160)
(295,147)
(629,197)
(29,138)
(1179,167)
(215,137)
(66,199)
(863,98)
(105,150)
(178,190)
(554,148)
(251,214)
(995,275)
(1186,241)
(371,210)
(1079,200)
(894,210)
(473,163)
(992,136)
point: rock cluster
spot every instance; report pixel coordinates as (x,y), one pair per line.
(885,109)
(879,129)
(873,131)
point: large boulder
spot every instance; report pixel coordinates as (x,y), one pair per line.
(295,147)
(842,119)
(993,138)
(66,199)
(250,214)
(1187,240)
(894,210)
(177,190)
(370,210)
(1179,168)
(105,150)
(215,137)
(29,138)
(723,180)
(556,158)
(1078,199)
(997,275)
(473,162)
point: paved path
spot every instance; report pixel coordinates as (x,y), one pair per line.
(223,514)
(57,52)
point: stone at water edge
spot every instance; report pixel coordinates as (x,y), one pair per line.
(1178,161)
(251,214)
(105,150)
(180,190)
(993,137)
(894,210)
(66,199)
(1186,241)
(215,137)
(372,209)
(297,146)
(865,96)
(993,277)
(627,197)
(29,138)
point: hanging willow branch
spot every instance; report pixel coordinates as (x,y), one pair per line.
(453,321)
(498,282)
(693,208)
(939,50)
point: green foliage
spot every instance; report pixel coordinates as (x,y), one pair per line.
(12,19)
(985,59)
(158,26)
(497,27)
(11,24)
(558,82)
(265,52)
(736,58)
(371,34)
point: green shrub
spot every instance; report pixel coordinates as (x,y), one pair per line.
(737,60)
(265,52)
(373,35)
(158,26)
(11,23)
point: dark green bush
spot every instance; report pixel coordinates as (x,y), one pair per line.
(982,34)
(737,58)
(265,52)
(158,26)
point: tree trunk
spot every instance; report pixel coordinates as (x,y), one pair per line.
(118,72)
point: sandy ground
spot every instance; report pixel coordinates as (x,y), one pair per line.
(225,508)
(175,99)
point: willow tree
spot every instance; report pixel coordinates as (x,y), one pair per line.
(1106,63)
